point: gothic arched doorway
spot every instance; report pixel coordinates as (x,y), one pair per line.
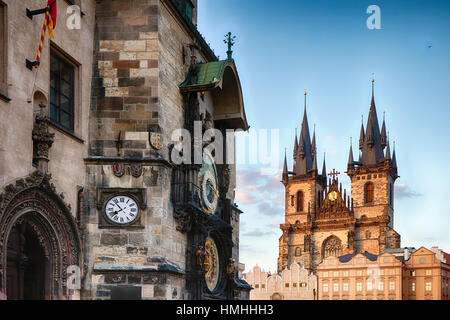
(41,241)
(26,267)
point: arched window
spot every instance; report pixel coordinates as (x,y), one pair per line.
(298,252)
(368,192)
(299,201)
(332,247)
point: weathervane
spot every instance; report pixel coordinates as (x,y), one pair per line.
(230,40)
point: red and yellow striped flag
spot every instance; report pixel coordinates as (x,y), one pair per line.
(50,21)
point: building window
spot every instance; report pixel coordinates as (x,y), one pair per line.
(298,252)
(412,273)
(380,286)
(359,286)
(325,274)
(368,192)
(359,273)
(428,286)
(294,284)
(412,287)
(286,285)
(263,286)
(325,287)
(428,272)
(345,273)
(422,261)
(369,285)
(62,92)
(335,287)
(3,52)
(256,286)
(368,234)
(299,201)
(345,287)
(335,273)
(392,286)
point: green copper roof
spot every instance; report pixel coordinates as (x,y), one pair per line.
(208,74)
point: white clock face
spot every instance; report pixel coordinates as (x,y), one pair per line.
(121,210)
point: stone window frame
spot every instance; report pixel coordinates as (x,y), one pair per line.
(4,51)
(298,251)
(77,95)
(428,286)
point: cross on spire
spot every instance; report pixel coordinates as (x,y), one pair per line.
(334,174)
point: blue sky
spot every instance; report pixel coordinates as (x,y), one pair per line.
(284,46)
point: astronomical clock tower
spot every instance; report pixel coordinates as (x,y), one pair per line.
(321,218)
(155,227)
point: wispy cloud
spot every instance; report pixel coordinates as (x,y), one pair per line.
(270,209)
(254,188)
(403,191)
(258,233)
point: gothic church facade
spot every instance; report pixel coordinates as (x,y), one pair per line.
(322,219)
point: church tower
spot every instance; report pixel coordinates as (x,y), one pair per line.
(303,186)
(372,180)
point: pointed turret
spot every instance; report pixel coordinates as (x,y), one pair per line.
(383,132)
(362,135)
(304,159)
(394,159)
(313,144)
(350,164)
(324,167)
(285,175)
(295,145)
(388,151)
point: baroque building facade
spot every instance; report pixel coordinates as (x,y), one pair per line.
(93,204)
(322,219)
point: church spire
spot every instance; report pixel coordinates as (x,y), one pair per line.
(372,150)
(304,161)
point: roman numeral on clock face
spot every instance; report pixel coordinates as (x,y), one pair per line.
(121,210)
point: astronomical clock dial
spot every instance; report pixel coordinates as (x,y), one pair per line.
(213,265)
(333,196)
(207,180)
(121,210)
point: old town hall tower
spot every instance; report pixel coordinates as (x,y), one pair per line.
(322,219)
